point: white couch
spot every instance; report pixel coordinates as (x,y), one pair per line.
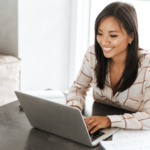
(9,78)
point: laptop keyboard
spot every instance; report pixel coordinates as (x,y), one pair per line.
(96,135)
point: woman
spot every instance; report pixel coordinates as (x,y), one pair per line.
(117,70)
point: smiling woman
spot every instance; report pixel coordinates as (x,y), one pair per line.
(117,70)
(109,39)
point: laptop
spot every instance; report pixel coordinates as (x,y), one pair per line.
(60,119)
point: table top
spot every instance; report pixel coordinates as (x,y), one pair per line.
(16,133)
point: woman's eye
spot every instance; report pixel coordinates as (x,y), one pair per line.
(99,34)
(110,35)
(114,35)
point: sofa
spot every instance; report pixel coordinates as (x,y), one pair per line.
(9,78)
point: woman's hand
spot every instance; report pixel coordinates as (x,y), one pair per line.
(97,122)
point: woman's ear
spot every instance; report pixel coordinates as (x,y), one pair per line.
(131,37)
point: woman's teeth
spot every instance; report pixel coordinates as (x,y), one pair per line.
(107,50)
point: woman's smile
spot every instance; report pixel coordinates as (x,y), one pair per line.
(107,50)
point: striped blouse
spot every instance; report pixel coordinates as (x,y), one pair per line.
(135,99)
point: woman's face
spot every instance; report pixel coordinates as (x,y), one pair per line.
(112,40)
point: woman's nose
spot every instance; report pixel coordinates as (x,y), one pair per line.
(105,40)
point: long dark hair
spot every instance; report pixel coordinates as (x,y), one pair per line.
(126,15)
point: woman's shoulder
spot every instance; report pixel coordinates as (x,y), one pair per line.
(91,52)
(145,58)
(91,49)
(145,53)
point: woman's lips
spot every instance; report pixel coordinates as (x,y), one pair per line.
(107,50)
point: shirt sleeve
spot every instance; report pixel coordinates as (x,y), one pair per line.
(77,92)
(138,120)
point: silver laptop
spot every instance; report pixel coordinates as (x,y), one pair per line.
(60,120)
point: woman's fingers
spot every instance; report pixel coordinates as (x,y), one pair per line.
(97,122)
(88,121)
(95,129)
(91,126)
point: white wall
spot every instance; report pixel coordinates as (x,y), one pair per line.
(44,43)
(9,27)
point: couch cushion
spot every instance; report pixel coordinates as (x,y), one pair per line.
(9,78)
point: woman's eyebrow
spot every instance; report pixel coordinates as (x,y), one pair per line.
(109,31)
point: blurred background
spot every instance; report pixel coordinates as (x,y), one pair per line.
(51,37)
